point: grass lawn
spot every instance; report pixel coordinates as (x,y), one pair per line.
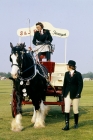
(54,120)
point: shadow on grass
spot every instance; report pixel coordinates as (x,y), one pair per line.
(86,123)
(30,126)
(56,116)
(27,111)
(85,110)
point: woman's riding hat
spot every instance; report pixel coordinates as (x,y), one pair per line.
(72,63)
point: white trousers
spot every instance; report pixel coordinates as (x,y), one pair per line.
(73,102)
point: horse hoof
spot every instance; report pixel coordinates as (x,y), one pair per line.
(39,126)
(32,121)
(17,129)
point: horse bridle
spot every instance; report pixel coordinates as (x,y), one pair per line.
(20,72)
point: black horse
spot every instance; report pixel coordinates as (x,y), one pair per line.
(30,78)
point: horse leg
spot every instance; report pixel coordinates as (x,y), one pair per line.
(16,122)
(40,115)
(34,116)
(39,122)
(44,110)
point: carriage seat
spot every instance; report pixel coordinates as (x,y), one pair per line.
(49,65)
(43,57)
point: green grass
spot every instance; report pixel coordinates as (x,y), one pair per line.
(54,120)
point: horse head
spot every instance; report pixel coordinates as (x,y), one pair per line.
(16,58)
(23,63)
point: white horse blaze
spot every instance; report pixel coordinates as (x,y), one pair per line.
(14,67)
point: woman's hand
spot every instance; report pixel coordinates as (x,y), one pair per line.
(47,42)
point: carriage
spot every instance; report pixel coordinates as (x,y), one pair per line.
(52,74)
(56,76)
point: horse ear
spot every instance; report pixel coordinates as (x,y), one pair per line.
(24,44)
(11,45)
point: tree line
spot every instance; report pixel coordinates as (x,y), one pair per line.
(86,75)
(3,74)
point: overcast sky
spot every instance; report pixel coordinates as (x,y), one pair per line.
(76,16)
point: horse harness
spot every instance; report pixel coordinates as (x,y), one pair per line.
(37,67)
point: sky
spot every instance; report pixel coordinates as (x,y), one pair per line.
(76,16)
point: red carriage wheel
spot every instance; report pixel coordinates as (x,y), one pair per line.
(14,104)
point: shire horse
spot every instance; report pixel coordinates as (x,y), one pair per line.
(29,78)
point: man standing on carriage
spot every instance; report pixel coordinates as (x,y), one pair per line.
(42,40)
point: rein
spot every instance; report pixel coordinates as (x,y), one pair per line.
(28,68)
(40,47)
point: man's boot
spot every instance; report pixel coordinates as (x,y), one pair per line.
(76,120)
(66,122)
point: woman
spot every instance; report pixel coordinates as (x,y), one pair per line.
(72,88)
(42,40)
